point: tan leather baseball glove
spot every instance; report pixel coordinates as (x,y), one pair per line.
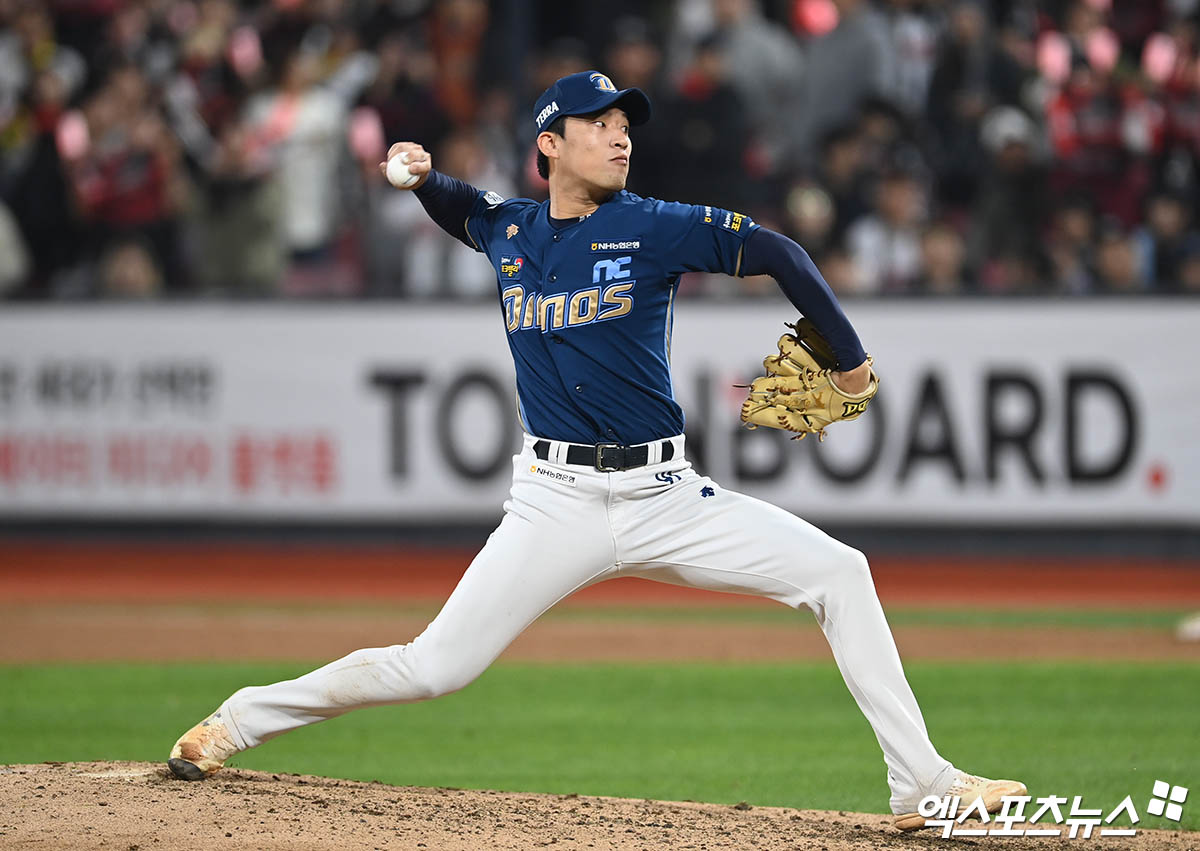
(798,394)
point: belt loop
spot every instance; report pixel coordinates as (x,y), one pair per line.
(558,450)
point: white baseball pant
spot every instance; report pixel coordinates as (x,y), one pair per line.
(568,527)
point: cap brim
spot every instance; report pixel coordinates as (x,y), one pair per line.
(633,101)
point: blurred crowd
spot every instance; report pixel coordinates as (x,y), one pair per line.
(230,148)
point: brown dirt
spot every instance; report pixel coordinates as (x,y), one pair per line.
(128,571)
(75,632)
(138,806)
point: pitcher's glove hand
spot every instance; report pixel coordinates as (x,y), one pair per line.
(798,394)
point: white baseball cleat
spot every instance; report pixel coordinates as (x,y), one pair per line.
(202,750)
(969,789)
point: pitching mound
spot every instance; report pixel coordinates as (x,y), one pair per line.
(139,806)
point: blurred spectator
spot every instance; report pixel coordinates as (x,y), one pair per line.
(838,269)
(1070,246)
(1011,274)
(37,189)
(456,34)
(1094,136)
(1008,213)
(29,51)
(1013,76)
(300,127)
(943,256)
(237,217)
(1117,269)
(402,92)
(850,64)
(128,272)
(1160,241)
(842,172)
(705,131)
(135,37)
(811,217)
(14,260)
(885,245)
(886,138)
(959,95)
(914,28)
(764,66)
(126,176)
(1189,266)
(1170,61)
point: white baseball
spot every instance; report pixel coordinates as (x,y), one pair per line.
(1189,628)
(397,171)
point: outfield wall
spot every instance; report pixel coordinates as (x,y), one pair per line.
(1039,413)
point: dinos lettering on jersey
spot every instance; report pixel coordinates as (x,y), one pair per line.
(528,310)
(616,245)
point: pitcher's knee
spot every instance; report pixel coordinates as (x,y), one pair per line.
(433,674)
(852,566)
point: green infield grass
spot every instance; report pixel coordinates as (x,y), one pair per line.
(786,735)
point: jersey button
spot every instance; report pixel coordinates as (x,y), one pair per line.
(556,237)
(553,278)
(556,338)
(578,388)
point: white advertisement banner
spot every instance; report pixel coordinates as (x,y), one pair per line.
(989,412)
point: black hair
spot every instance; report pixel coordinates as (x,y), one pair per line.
(557,127)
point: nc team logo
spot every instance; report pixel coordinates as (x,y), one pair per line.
(511,266)
(854,407)
(602,83)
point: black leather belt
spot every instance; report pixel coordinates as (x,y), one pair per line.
(606,457)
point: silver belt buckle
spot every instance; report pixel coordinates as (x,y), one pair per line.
(600,447)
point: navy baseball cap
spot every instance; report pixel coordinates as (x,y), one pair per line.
(586,93)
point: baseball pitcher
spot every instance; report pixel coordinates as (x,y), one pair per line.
(602,487)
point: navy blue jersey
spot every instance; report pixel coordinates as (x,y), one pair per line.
(588,307)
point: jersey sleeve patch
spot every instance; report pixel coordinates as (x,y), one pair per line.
(493,199)
(738,223)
